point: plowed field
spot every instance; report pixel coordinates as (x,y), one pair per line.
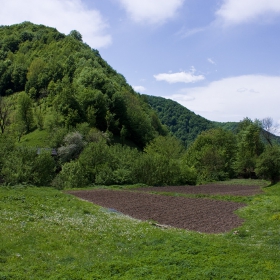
(198,214)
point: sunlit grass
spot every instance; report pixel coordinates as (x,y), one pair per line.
(47,234)
(246,182)
(36,138)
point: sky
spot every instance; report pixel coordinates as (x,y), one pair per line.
(218,58)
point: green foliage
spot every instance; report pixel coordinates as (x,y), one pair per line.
(74,80)
(156,169)
(71,176)
(18,166)
(268,164)
(23,166)
(249,147)
(73,146)
(161,163)
(76,34)
(36,76)
(212,155)
(167,146)
(24,111)
(5,113)
(7,145)
(43,169)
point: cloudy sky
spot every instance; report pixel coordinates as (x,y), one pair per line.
(218,58)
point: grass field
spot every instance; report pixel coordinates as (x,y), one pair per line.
(47,234)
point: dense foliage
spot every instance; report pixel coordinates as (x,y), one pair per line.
(213,155)
(62,72)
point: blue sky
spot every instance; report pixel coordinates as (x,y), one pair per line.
(218,58)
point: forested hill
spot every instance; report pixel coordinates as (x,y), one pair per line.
(68,84)
(183,123)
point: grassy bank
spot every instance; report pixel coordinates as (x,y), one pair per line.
(46,234)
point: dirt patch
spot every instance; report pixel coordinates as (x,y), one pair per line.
(211,189)
(203,215)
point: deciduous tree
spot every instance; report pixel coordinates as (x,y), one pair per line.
(24,110)
(249,147)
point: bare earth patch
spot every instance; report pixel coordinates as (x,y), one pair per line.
(202,215)
(211,189)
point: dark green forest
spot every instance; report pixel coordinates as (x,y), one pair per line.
(68,119)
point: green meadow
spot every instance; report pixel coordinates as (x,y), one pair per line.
(48,234)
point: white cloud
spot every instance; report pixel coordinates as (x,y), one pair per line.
(139,88)
(232,99)
(151,11)
(180,77)
(210,60)
(190,32)
(239,11)
(64,15)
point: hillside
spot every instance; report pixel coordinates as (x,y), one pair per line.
(183,123)
(70,84)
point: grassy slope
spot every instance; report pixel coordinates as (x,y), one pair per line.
(36,138)
(46,234)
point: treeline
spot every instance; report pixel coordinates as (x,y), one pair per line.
(87,157)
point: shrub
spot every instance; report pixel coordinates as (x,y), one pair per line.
(72,175)
(43,169)
(74,144)
(19,165)
(268,164)
(24,166)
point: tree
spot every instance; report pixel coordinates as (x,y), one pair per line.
(167,146)
(18,166)
(161,163)
(77,35)
(36,76)
(212,154)
(5,110)
(67,105)
(268,129)
(73,146)
(268,164)
(23,165)
(24,111)
(249,147)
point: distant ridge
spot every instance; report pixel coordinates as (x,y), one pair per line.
(183,123)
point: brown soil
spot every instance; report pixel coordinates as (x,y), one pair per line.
(203,215)
(211,189)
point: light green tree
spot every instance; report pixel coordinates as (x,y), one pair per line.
(212,154)
(24,111)
(249,147)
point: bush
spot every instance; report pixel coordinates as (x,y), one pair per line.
(43,169)
(72,175)
(24,166)
(155,170)
(268,164)
(19,165)
(74,144)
